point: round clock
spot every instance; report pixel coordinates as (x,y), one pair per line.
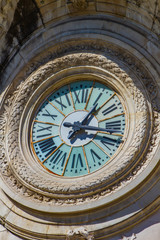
(78,129)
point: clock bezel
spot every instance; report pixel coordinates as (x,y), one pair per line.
(104,79)
(36,112)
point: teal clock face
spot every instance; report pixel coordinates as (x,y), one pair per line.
(78,129)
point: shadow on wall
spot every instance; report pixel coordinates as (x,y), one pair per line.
(24,23)
(150,228)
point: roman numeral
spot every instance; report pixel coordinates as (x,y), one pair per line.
(107,142)
(59,156)
(67,98)
(49,115)
(43,129)
(47,146)
(99,96)
(115,125)
(75,160)
(84,95)
(60,103)
(81,96)
(109,109)
(95,156)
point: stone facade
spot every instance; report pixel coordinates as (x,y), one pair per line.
(44,43)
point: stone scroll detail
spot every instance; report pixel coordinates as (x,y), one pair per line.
(133,237)
(13,108)
(79,234)
(77,5)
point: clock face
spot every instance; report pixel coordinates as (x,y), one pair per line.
(78,128)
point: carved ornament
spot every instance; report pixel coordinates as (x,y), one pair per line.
(133,237)
(77,5)
(79,234)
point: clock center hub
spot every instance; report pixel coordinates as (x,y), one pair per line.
(82,136)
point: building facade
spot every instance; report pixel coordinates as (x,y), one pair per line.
(80,119)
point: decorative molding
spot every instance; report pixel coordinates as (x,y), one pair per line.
(137,2)
(77,5)
(133,237)
(2,221)
(13,109)
(79,234)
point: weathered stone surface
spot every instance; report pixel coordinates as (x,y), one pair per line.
(21,18)
(20,23)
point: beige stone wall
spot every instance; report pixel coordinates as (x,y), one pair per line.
(40,13)
(44,42)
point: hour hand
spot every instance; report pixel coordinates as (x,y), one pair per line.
(71,133)
(68,124)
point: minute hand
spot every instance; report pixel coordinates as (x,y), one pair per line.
(86,127)
(88,114)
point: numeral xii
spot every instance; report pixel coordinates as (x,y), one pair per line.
(81,96)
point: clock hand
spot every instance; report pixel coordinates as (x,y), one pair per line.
(71,133)
(88,114)
(86,127)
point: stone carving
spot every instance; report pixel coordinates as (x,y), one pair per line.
(78,4)
(137,2)
(12,114)
(133,237)
(79,234)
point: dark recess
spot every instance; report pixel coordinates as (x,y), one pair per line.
(24,23)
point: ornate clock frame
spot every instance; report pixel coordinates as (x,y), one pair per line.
(116,188)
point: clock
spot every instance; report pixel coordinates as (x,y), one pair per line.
(78,129)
